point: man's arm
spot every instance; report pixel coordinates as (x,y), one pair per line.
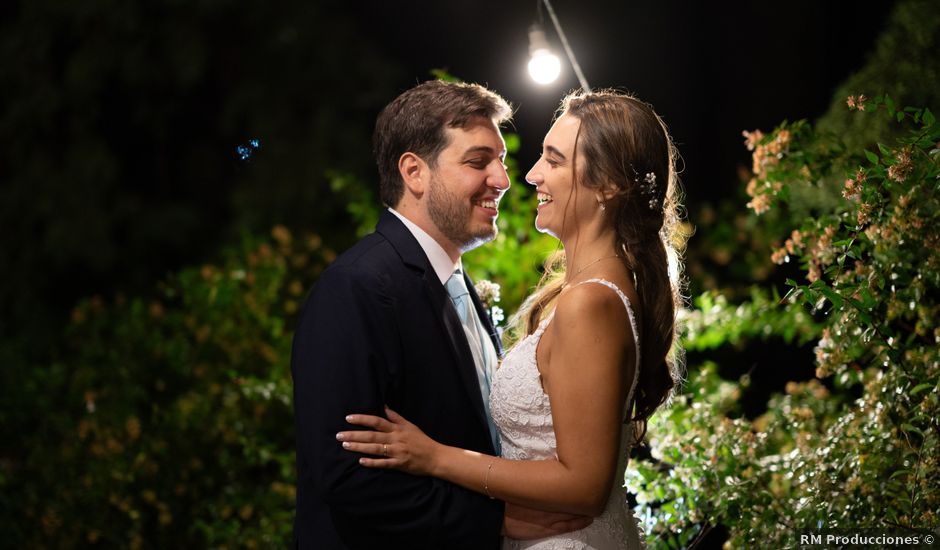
(523,523)
(344,354)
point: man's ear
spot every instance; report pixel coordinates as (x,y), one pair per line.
(415,173)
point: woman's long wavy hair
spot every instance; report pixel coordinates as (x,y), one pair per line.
(622,140)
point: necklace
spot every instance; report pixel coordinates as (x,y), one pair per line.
(589,264)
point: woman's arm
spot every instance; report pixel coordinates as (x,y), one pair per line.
(586,383)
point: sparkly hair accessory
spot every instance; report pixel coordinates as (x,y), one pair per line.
(648,188)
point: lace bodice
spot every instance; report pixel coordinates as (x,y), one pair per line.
(523,415)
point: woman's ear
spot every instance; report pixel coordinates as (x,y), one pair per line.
(607,191)
(415,173)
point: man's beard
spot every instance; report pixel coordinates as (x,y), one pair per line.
(452,216)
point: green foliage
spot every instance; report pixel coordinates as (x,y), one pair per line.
(361,203)
(172,424)
(858,445)
(714,322)
(727,255)
(904,61)
(727,252)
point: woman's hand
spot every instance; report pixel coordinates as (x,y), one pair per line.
(401,444)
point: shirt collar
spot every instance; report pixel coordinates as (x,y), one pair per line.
(440,261)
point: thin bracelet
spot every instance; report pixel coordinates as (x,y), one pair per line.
(486,480)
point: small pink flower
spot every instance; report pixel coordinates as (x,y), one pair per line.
(814,272)
(797,237)
(760,204)
(851,190)
(759,159)
(902,168)
(864,212)
(751,188)
(751,139)
(856,102)
(863,216)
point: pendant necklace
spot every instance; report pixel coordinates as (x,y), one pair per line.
(576,273)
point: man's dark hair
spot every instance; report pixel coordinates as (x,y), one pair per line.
(416,120)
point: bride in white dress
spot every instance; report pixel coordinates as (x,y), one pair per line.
(572,396)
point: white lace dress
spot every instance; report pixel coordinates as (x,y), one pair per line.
(523,415)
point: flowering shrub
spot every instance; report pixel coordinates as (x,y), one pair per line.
(857,446)
(173,425)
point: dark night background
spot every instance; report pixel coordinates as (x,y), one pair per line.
(121,120)
(711,70)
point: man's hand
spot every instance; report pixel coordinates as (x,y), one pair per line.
(527,523)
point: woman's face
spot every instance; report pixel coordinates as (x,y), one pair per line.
(560,205)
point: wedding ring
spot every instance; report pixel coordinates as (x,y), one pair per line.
(385,449)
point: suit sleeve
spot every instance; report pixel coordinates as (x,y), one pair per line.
(345,353)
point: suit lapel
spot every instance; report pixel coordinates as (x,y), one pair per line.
(413,255)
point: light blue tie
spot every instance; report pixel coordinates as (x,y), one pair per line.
(460,296)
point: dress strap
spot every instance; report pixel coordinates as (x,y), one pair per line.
(633,325)
(543,324)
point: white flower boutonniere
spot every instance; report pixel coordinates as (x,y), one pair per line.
(488,291)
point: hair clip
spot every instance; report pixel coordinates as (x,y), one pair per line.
(648,188)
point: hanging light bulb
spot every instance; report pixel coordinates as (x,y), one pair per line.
(544,66)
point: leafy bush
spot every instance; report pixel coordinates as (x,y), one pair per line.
(172,423)
(858,445)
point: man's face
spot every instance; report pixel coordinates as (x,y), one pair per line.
(467,184)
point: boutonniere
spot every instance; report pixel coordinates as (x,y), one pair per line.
(488,291)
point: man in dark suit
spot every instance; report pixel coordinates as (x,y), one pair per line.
(395,321)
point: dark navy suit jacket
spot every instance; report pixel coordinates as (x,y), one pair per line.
(379,328)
